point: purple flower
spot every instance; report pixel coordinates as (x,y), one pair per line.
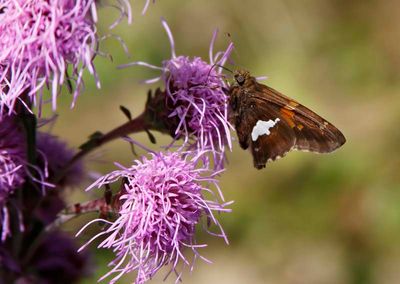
(160,203)
(195,97)
(54,155)
(51,258)
(12,165)
(45,43)
(56,260)
(12,156)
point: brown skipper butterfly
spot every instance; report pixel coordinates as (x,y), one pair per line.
(272,124)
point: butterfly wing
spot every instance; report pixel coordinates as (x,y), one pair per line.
(297,128)
(264,147)
(313,133)
(274,142)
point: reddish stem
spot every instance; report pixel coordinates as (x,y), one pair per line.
(133,126)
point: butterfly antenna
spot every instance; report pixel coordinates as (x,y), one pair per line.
(223,67)
(217,65)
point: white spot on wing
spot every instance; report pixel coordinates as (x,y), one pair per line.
(262,127)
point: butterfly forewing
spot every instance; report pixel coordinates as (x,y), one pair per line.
(313,133)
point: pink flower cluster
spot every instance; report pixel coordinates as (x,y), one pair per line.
(161,202)
(44,43)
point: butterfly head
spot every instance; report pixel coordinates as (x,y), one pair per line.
(243,78)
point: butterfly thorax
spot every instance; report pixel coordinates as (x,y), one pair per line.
(243,87)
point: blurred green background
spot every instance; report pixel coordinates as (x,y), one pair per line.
(306,218)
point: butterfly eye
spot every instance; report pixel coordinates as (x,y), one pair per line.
(240,79)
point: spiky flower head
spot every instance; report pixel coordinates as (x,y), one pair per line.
(196,100)
(54,154)
(162,199)
(52,259)
(12,163)
(44,43)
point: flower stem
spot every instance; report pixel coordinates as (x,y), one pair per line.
(97,205)
(132,126)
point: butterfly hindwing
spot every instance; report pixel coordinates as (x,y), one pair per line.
(265,147)
(272,146)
